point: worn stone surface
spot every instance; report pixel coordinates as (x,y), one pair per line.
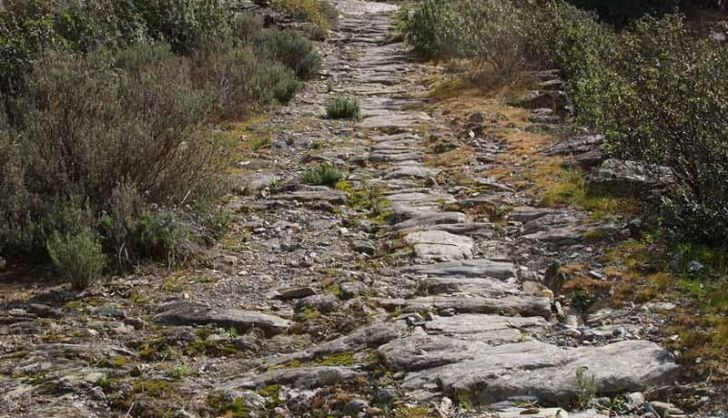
(440,245)
(314,289)
(185,313)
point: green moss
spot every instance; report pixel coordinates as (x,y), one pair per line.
(272,394)
(229,408)
(594,235)
(463,399)
(414,412)
(310,313)
(153,387)
(335,290)
(337,359)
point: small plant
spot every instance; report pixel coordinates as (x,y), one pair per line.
(344,107)
(78,257)
(324,174)
(586,387)
(180,371)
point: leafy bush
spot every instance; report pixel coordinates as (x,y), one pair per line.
(294,51)
(185,24)
(105,136)
(77,257)
(426,26)
(664,103)
(323,174)
(344,107)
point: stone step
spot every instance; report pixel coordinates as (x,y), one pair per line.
(469,268)
(550,373)
(187,313)
(510,305)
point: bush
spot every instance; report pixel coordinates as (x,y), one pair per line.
(245,27)
(426,26)
(294,51)
(664,103)
(186,25)
(241,81)
(77,257)
(323,174)
(343,107)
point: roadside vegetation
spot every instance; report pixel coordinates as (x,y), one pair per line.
(653,79)
(109,152)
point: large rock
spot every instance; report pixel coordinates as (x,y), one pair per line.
(325,194)
(549,372)
(486,287)
(440,245)
(185,313)
(627,178)
(512,305)
(469,268)
(300,377)
(489,329)
(432,219)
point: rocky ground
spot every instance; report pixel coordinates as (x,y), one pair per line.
(424,285)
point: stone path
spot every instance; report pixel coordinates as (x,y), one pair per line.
(373,300)
(465,326)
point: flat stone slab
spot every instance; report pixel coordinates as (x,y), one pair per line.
(440,245)
(486,287)
(299,377)
(469,268)
(412,170)
(482,230)
(433,219)
(334,197)
(394,120)
(185,313)
(549,372)
(513,305)
(489,329)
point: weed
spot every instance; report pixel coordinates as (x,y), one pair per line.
(585,387)
(77,257)
(324,174)
(344,107)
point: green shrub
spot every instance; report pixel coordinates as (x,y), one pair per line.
(77,257)
(343,107)
(241,82)
(426,26)
(286,89)
(294,51)
(664,103)
(26,27)
(186,25)
(324,174)
(245,27)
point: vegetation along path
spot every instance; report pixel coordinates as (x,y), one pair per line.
(378,266)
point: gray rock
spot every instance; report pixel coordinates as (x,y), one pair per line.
(432,219)
(416,171)
(485,287)
(440,245)
(322,303)
(469,268)
(186,313)
(627,178)
(548,372)
(330,196)
(515,305)
(301,377)
(289,293)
